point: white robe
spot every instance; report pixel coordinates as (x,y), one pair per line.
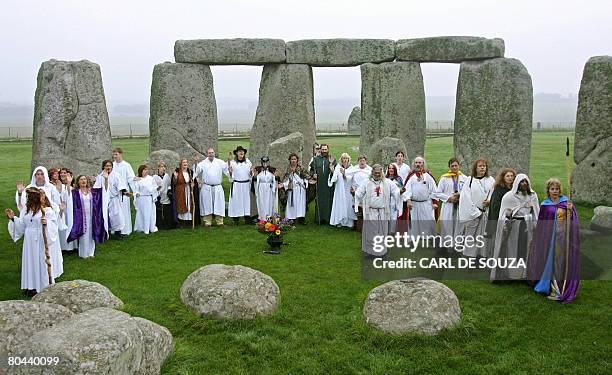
(376,211)
(358,175)
(266,193)
(473,215)
(111,202)
(421,192)
(296,197)
(163,187)
(65,220)
(212,197)
(145,194)
(342,213)
(126,177)
(516,211)
(240,180)
(34,273)
(449,213)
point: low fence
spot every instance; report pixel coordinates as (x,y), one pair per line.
(243,129)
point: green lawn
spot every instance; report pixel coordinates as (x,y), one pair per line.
(318,327)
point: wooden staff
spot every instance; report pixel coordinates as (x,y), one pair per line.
(192,203)
(568,211)
(44,234)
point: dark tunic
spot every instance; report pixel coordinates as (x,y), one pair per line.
(325,194)
(164,212)
(494,206)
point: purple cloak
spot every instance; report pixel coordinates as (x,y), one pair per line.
(546,232)
(97,219)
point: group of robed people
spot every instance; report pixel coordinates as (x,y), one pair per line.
(78,214)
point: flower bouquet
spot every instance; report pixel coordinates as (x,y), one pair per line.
(274,227)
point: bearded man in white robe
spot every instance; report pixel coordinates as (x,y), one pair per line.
(516,223)
(420,191)
(473,209)
(376,196)
(210,172)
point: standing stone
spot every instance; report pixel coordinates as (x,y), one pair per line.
(183,109)
(493,114)
(383,151)
(340,52)
(71,126)
(286,105)
(452,49)
(593,137)
(417,305)
(393,105)
(354,121)
(241,51)
(279,150)
(170,158)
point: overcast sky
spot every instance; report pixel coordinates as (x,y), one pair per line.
(127,38)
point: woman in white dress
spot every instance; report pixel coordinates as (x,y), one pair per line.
(40,180)
(342,213)
(145,193)
(295,182)
(36,260)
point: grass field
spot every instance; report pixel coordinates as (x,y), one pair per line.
(318,327)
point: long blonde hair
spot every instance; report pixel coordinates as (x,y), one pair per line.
(345,155)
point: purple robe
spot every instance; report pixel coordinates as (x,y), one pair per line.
(97,219)
(550,237)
